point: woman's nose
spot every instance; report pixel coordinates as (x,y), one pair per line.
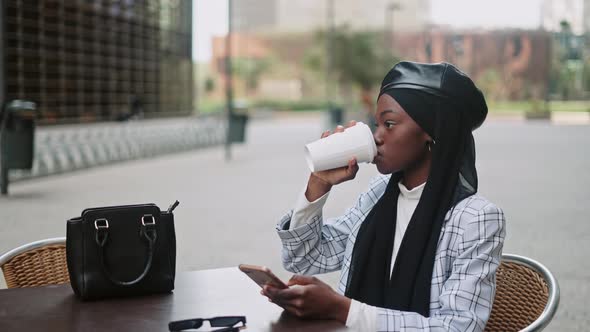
(377,138)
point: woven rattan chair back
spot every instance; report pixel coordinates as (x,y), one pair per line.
(36,264)
(527,296)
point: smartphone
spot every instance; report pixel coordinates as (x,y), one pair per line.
(262,275)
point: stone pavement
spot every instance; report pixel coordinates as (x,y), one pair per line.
(537,172)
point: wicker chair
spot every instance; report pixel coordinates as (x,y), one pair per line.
(527,296)
(36,264)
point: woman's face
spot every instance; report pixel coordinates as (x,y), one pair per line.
(401,143)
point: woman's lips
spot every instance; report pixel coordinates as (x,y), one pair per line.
(377,157)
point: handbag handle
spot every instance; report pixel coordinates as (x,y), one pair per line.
(148,232)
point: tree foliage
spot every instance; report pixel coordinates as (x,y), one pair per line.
(357,57)
(250,70)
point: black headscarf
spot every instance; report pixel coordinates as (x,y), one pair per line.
(446,104)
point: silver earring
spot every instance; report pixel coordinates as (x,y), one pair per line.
(429,145)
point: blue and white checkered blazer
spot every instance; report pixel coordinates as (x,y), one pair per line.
(463,279)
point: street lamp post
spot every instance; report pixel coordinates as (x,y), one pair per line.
(388,30)
(228,80)
(329,47)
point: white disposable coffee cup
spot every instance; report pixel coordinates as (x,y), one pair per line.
(337,149)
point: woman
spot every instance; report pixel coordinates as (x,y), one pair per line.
(420,248)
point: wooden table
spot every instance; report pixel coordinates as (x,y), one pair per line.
(198,294)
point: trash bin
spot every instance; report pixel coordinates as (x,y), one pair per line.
(238,120)
(336,116)
(237,127)
(17,138)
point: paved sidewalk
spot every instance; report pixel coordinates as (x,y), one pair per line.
(537,172)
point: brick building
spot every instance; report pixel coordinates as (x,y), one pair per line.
(514,64)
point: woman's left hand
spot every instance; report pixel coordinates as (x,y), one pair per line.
(309,297)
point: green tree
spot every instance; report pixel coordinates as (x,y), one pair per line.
(567,75)
(491,83)
(250,70)
(209,85)
(587,74)
(357,58)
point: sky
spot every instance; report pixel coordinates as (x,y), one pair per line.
(210,17)
(486,13)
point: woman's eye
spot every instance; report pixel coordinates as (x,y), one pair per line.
(389,124)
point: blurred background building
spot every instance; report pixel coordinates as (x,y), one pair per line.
(275,43)
(286,52)
(308,15)
(85,61)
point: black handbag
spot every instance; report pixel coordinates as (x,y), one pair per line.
(121,251)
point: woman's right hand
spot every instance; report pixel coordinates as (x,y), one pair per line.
(321,182)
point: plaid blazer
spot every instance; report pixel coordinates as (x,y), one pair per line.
(463,279)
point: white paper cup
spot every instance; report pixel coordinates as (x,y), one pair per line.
(337,149)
